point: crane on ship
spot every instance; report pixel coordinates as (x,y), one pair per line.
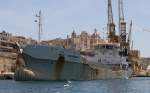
(111,26)
(122,23)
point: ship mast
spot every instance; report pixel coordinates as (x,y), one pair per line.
(39,17)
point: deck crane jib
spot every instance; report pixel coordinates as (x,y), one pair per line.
(110,25)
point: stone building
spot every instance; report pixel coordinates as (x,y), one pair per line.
(84,41)
(95,39)
(18,39)
(22,40)
(5,36)
(79,42)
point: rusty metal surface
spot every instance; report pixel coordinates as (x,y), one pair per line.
(59,67)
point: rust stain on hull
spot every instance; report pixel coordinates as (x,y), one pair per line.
(59,67)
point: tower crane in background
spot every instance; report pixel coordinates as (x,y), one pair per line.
(110,25)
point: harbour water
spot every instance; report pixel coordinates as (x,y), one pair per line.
(135,85)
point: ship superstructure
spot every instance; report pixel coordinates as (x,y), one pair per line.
(109,61)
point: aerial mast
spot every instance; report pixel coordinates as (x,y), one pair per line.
(110,25)
(39,16)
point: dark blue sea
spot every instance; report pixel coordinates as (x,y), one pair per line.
(134,85)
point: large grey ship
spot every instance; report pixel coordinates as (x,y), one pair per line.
(55,63)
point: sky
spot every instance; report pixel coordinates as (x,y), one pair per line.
(61,17)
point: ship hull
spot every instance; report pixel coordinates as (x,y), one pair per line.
(39,69)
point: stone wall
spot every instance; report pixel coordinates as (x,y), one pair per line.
(7,64)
